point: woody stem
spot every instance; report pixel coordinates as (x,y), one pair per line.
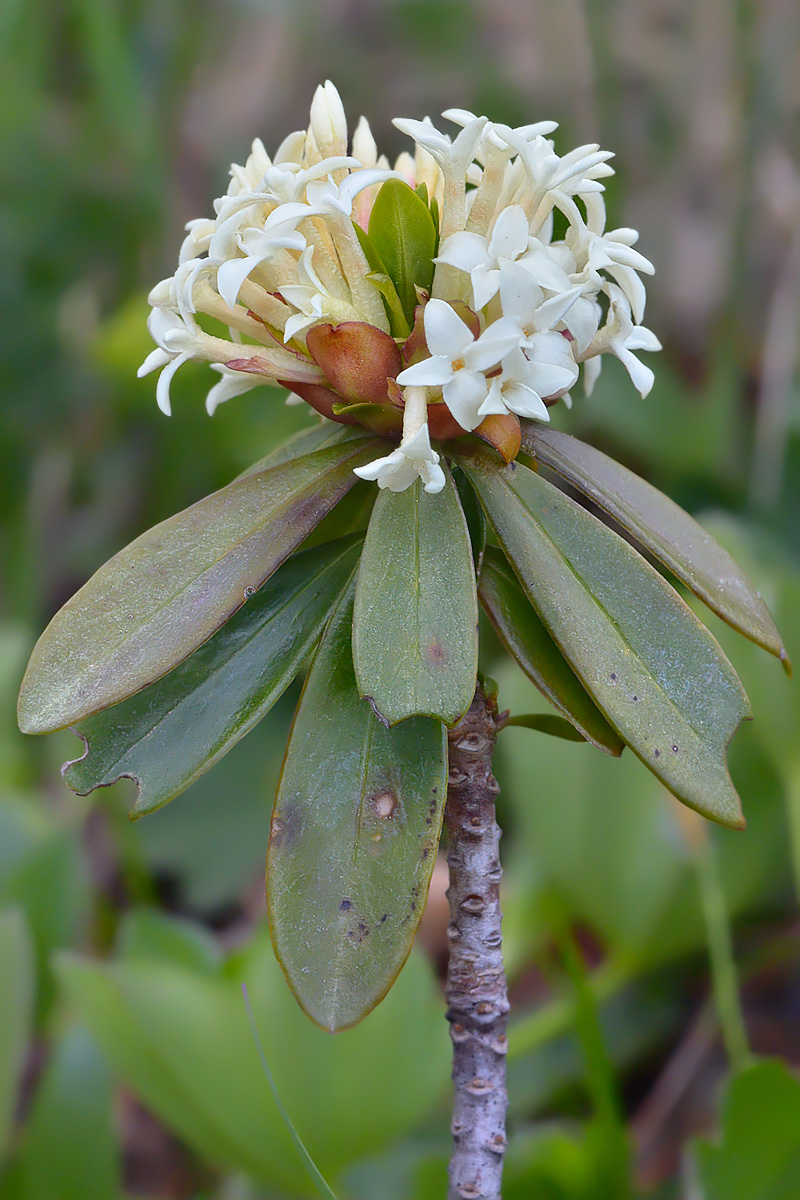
(476,991)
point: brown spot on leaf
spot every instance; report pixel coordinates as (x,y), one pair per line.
(436,654)
(345,906)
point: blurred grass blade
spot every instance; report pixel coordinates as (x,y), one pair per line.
(317,1176)
(16,1013)
(167,735)
(415,623)
(353,840)
(663,528)
(162,596)
(652,668)
(527,640)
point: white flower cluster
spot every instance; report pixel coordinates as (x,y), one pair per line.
(282,254)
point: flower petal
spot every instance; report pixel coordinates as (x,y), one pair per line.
(465,251)
(445,332)
(510,235)
(431,372)
(463,395)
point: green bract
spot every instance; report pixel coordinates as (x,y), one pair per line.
(185,639)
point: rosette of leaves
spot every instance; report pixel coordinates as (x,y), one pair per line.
(186,638)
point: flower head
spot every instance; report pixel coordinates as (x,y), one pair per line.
(505,314)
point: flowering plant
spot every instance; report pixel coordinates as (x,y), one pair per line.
(431,313)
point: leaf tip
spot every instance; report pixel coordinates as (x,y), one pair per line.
(786,662)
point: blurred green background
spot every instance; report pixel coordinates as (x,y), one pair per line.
(126,1064)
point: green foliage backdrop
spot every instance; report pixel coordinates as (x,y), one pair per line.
(126,1065)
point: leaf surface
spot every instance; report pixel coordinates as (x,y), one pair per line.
(528,642)
(415,631)
(759,1155)
(652,668)
(168,734)
(162,596)
(70,1147)
(663,528)
(353,839)
(402,231)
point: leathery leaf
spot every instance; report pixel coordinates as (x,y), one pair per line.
(652,668)
(415,632)
(402,231)
(168,734)
(527,641)
(663,528)
(353,839)
(162,596)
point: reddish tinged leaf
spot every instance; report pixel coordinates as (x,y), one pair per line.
(503,433)
(526,639)
(161,597)
(357,359)
(648,663)
(321,399)
(304,372)
(415,347)
(442,424)
(663,528)
(383,419)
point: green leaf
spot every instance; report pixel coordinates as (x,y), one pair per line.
(759,1156)
(399,325)
(353,840)
(149,934)
(16,1013)
(320,1183)
(319,436)
(651,667)
(663,528)
(167,735)
(546,723)
(70,1150)
(398,322)
(476,521)
(180,1040)
(402,230)
(529,643)
(161,597)
(415,634)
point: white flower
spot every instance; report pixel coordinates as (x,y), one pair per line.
(621,337)
(279,232)
(284,250)
(332,198)
(481,258)
(412,458)
(232,383)
(328,123)
(312,298)
(511,392)
(451,156)
(459,359)
(287,182)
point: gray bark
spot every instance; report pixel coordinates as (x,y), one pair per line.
(476,991)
